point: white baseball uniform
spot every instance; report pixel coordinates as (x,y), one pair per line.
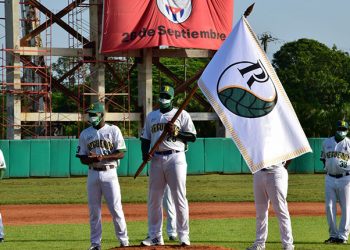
(103,179)
(168,166)
(271,184)
(2,165)
(337,185)
(169,207)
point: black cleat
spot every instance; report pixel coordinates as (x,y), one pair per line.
(94,247)
(331,240)
(172,238)
(341,241)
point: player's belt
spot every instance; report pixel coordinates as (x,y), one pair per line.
(104,168)
(167,152)
(339,175)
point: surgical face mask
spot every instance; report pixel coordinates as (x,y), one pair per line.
(340,135)
(164,103)
(95,120)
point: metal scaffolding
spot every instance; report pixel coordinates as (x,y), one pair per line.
(28,83)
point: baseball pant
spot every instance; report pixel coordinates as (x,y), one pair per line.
(1,228)
(338,189)
(272,185)
(172,170)
(169,208)
(105,183)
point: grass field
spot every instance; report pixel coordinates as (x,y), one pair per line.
(309,232)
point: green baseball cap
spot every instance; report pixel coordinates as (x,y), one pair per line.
(342,124)
(167,89)
(97,107)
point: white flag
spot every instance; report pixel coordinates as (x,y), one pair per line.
(243,88)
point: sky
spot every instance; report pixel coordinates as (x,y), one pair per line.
(326,21)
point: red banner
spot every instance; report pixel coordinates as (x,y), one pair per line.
(135,24)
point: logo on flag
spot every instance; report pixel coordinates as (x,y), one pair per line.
(177,11)
(244,90)
(257,100)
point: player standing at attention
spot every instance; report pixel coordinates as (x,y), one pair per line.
(2,173)
(101,146)
(271,184)
(168,166)
(335,157)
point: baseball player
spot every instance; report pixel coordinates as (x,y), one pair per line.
(271,184)
(100,147)
(2,173)
(335,157)
(168,166)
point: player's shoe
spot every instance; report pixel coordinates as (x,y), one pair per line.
(172,238)
(256,247)
(185,241)
(157,241)
(341,241)
(95,247)
(124,243)
(288,247)
(331,240)
(2,240)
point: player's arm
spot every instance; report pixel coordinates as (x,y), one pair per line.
(323,157)
(324,162)
(119,154)
(186,136)
(88,159)
(174,131)
(145,145)
(287,163)
(2,173)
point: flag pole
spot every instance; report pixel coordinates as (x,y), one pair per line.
(248,10)
(164,133)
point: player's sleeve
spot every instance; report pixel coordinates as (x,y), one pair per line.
(187,123)
(119,143)
(2,160)
(146,131)
(82,146)
(323,155)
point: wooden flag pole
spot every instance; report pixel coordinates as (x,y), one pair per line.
(162,136)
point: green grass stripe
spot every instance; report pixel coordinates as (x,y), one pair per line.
(309,233)
(302,187)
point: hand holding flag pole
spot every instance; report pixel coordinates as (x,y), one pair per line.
(162,136)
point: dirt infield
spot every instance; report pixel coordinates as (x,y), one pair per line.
(71,214)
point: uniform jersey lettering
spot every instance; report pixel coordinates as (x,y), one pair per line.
(157,127)
(339,155)
(105,145)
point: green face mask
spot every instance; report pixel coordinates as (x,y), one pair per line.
(95,120)
(340,135)
(165,103)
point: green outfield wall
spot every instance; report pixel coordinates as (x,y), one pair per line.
(56,158)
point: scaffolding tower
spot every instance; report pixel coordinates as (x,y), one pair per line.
(27,79)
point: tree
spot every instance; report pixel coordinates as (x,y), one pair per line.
(316,79)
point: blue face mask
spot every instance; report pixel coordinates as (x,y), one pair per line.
(340,135)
